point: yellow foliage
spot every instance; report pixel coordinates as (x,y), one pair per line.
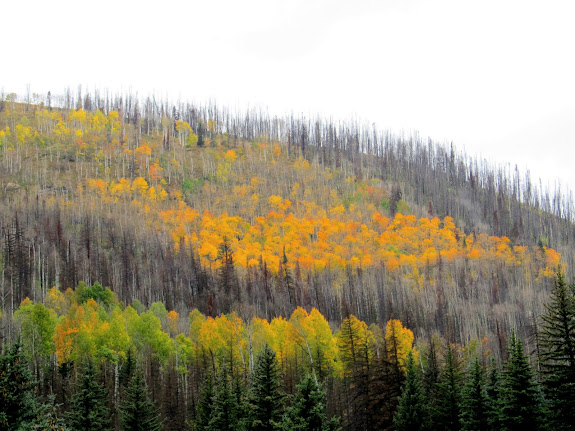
(399,342)
(230,156)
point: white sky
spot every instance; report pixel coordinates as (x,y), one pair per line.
(495,77)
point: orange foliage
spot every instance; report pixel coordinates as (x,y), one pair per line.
(316,239)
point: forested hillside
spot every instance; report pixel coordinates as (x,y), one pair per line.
(250,221)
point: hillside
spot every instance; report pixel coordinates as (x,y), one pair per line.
(264,231)
(159,208)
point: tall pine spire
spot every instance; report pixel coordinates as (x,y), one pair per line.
(89,410)
(557,346)
(138,412)
(411,413)
(521,400)
(265,398)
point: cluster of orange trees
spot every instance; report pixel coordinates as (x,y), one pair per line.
(317,239)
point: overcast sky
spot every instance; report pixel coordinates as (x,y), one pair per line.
(496,78)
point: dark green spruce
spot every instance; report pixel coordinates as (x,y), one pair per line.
(474,402)
(205,404)
(18,406)
(448,404)
(307,411)
(265,398)
(493,391)
(520,398)
(89,407)
(411,413)
(557,351)
(227,412)
(138,412)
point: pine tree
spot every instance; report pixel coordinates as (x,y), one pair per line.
(48,418)
(138,412)
(474,402)
(493,391)
(521,401)
(205,403)
(448,403)
(557,345)
(227,411)
(431,372)
(265,398)
(18,404)
(128,368)
(411,413)
(308,409)
(89,407)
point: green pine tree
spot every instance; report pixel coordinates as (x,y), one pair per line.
(411,413)
(205,404)
(18,405)
(493,391)
(447,405)
(265,397)
(521,401)
(308,409)
(138,411)
(474,401)
(128,368)
(89,407)
(227,411)
(557,347)
(48,418)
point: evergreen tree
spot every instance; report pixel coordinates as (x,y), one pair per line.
(411,413)
(227,411)
(265,398)
(493,391)
(447,410)
(205,404)
(521,401)
(18,404)
(474,401)
(89,407)
(307,411)
(48,418)
(138,412)
(128,368)
(557,345)
(431,370)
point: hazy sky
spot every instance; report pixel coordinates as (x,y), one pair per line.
(495,77)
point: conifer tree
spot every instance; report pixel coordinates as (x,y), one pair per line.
(521,401)
(226,412)
(448,404)
(18,404)
(474,402)
(205,403)
(411,413)
(128,368)
(138,412)
(308,409)
(493,397)
(48,417)
(265,397)
(557,345)
(431,373)
(89,407)
(431,370)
